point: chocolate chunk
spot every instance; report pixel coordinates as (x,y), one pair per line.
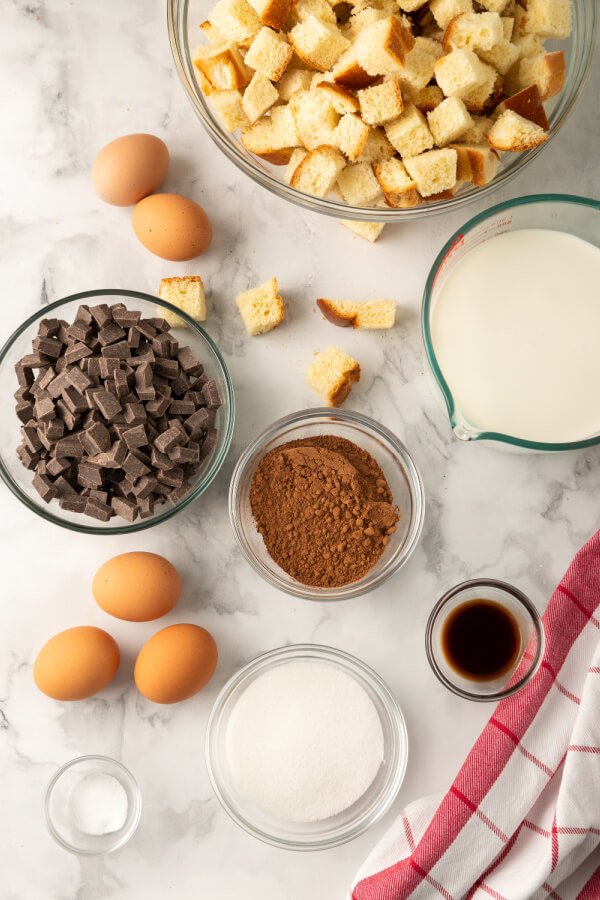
(108,367)
(122,350)
(96,439)
(135,414)
(121,384)
(101,314)
(197,423)
(31,438)
(48,327)
(110,334)
(126,509)
(56,467)
(28,458)
(76,352)
(44,487)
(135,467)
(100,511)
(189,362)
(63,487)
(83,314)
(50,346)
(135,437)
(24,374)
(55,429)
(168,368)
(158,406)
(146,507)
(59,384)
(181,408)
(209,444)
(178,493)
(126,318)
(108,404)
(69,418)
(74,401)
(80,331)
(167,440)
(180,385)
(73,503)
(159,324)
(34,361)
(210,392)
(89,475)
(24,411)
(173,478)
(144,486)
(182,454)
(77,379)
(69,446)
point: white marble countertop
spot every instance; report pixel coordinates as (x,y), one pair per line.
(74,76)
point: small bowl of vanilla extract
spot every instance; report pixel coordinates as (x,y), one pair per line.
(484,639)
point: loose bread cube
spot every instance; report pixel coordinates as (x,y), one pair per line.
(315,118)
(212,34)
(317,79)
(381,103)
(261,308)
(549,18)
(295,159)
(331,375)
(320,9)
(318,45)
(502,57)
(348,73)
(186,293)
(476,133)
(293,80)
(547,71)
(410,134)
(369,231)
(399,189)
(529,45)
(508,24)
(236,19)
(273,13)
(459,72)
(419,65)
(259,96)
(475,31)
(428,98)
(361,19)
(449,121)
(527,103)
(514,133)
(269,53)
(411,5)
(358,185)
(433,171)
(318,171)
(351,136)
(476,163)
(377,147)
(229,106)
(221,68)
(381,48)
(445,10)
(498,6)
(485,96)
(342,99)
(374,314)
(284,126)
(273,137)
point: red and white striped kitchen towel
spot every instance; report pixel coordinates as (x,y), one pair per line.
(523,813)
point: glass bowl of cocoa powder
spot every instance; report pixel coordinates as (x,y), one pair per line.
(326,504)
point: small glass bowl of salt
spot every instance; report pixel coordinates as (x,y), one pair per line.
(92,805)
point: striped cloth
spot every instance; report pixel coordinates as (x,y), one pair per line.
(523,814)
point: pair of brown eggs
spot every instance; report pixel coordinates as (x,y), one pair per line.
(127,172)
(174,664)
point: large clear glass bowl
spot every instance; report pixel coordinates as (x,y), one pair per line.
(184,17)
(19,479)
(578,216)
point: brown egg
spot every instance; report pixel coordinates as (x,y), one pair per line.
(76,663)
(172,227)
(175,663)
(129,168)
(137,586)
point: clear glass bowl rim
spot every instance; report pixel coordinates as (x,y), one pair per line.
(216,463)
(414,481)
(345,661)
(523,600)
(426,329)
(577,72)
(128,776)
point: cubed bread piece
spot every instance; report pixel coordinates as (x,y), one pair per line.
(381,48)
(549,18)
(351,136)
(529,45)
(368,231)
(381,103)
(475,31)
(502,57)
(527,103)
(476,163)
(293,80)
(508,24)
(261,308)
(274,136)
(269,53)
(295,159)
(374,314)
(273,13)
(331,375)
(318,171)
(433,171)
(284,126)
(317,79)
(428,98)
(317,44)
(449,121)
(320,9)
(341,98)
(459,72)
(547,71)
(475,134)
(236,19)
(221,68)
(410,134)
(411,5)
(259,96)
(445,10)
(212,34)
(358,185)
(498,6)
(485,96)
(419,65)
(229,106)
(399,189)
(512,132)
(377,147)
(361,19)
(187,294)
(315,118)
(348,73)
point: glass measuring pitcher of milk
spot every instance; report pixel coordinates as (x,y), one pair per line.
(510,323)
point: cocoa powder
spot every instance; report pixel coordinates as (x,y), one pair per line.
(324,509)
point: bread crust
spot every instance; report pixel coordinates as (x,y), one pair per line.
(527,103)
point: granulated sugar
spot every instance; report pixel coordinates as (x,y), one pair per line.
(304,741)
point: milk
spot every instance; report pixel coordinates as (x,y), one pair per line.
(516,331)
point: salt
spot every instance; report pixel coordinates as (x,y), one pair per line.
(99,804)
(304,741)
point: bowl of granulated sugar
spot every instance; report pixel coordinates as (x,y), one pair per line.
(306,747)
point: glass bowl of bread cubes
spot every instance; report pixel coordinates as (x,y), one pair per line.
(378,111)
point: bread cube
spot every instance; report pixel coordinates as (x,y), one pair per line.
(341,98)
(529,45)
(420,62)
(284,126)
(212,34)
(229,106)
(318,171)
(444,11)
(235,19)
(476,163)
(261,308)
(358,185)
(411,5)
(508,24)
(318,45)
(547,71)
(361,19)
(368,231)
(315,118)
(273,137)
(273,13)
(381,103)
(427,98)
(484,97)
(381,48)
(295,159)
(371,315)
(348,73)
(502,57)
(331,375)
(459,72)
(410,134)
(220,68)
(475,31)
(320,9)
(351,136)
(293,80)
(448,121)
(186,293)
(399,189)
(514,133)
(475,134)
(433,171)
(549,18)
(497,6)
(269,53)
(527,103)
(259,96)
(377,147)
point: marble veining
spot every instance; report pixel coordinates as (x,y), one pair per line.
(73,77)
